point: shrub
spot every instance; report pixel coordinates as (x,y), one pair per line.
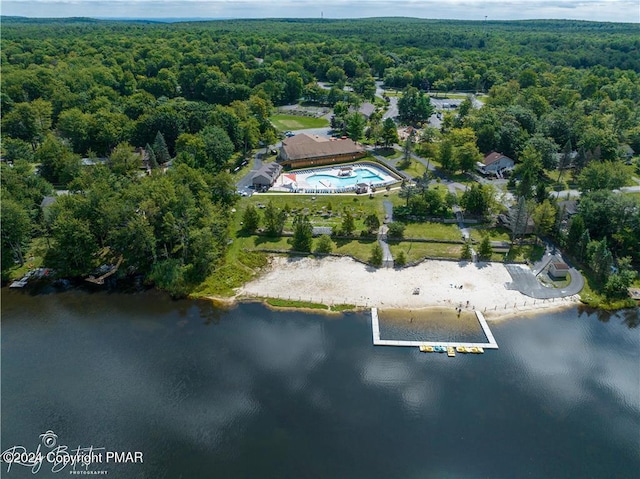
(376,255)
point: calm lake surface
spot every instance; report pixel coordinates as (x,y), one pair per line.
(252,393)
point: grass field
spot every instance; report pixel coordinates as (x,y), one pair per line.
(415,169)
(417,251)
(436,231)
(295,122)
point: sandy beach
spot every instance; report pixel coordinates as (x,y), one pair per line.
(442,284)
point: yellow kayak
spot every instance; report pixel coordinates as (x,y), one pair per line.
(451,352)
(461,349)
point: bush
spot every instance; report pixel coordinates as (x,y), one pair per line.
(325,245)
(376,255)
(466,252)
(485,251)
(400,259)
(396,230)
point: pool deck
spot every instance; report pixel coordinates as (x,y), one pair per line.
(295,181)
(375,326)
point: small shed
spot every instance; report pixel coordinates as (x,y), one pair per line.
(322,230)
(362,188)
(266,175)
(558,270)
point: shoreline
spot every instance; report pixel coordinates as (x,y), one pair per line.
(438,284)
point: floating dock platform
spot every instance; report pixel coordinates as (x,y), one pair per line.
(375,327)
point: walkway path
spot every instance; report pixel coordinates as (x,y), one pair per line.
(387,257)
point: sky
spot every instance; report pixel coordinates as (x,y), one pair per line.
(597,10)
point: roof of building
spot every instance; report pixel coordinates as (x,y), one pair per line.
(306,146)
(322,230)
(560,266)
(493,157)
(268,170)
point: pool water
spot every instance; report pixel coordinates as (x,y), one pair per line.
(360,175)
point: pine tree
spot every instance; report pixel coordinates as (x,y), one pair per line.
(376,255)
(348,224)
(466,252)
(153,162)
(302,234)
(160,149)
(250,219)
(485,251)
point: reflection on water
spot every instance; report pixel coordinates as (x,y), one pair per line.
(252,392)
(433,324)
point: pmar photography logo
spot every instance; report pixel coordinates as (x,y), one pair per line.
(81,460)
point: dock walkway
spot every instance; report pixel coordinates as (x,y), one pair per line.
(375,326)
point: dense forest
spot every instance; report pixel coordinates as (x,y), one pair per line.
(198,96)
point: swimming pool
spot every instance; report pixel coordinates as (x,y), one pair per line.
(334,179)
(358,175)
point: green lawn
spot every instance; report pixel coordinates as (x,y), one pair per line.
(388,153)
(415,251)
(358,248)
(323,210)
(495,234)
(436,231)
(295,122)
(415,169)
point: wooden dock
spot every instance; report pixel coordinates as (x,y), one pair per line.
(375,327)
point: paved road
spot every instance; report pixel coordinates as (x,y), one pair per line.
(392,112)
(525,281)
(243,184)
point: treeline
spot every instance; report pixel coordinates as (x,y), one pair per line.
(198,96)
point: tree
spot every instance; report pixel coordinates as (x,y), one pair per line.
(528,171)
(160,149)
(446,155)
(348,224)
(59,164)
(606,175)
(302,234)
(274,220)
(600,258)
(124,160)
(355,126)
(325,245)
(153,162)
(467,156)
(477,199)
(15,229)
(75,246)
(372,222)
(250,219)
(618,283)
(414,106)
(218,148)
(376,255)
(396,230)
(574,235)
(389,133)
(485,251)
(564,161)
(407,192)
(400,259)
(544,217)
(466,255)
(547,148)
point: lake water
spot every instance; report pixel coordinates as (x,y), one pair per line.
(252,393)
